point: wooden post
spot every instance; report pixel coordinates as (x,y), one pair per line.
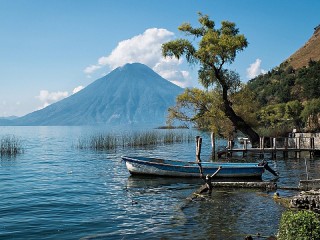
(271,142)
(312,147)
(261,143)
(213,145)
(207,179)
(262,147)
(245,147)
(198,148)
(229,147)
(307,172)
(198,152)
(298,146)
(274,144)
(295,147)
(286,143)
(285,152)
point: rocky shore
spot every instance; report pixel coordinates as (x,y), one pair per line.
(307,200)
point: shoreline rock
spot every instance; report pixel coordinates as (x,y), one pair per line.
(307,200)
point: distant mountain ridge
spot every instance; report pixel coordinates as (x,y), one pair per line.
(8,118)
(130,94)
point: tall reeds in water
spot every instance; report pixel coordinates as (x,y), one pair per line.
(10,146)
(136,139)
(98,142)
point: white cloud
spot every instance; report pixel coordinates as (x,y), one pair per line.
(146,48)
(169,69)
(48,98)
(91,69)
(77,89)
(255,69)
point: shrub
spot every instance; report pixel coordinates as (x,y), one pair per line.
(302,225)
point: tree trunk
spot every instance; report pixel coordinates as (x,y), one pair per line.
(238,122)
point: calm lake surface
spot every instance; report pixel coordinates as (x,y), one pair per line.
(56,191)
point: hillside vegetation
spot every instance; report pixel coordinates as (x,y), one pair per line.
(289,95)
(284,84)
(289,98)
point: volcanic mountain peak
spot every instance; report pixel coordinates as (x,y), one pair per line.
(133,93)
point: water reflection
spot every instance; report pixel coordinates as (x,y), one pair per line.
(137,182)
(225,214)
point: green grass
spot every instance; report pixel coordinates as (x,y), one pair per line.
(10,146)
(132,140)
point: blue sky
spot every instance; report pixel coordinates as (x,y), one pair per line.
(52,48)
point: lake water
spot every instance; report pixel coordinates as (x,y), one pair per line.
(56,191)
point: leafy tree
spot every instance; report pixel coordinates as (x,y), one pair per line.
(293,111)
(311,108)
(244,104)
(204,109)
(272,115)
(310,114)
(216,48)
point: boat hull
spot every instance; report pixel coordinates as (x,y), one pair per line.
(160,167)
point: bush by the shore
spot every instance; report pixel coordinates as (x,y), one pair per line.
(299,225)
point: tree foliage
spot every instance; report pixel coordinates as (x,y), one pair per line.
(203,108)
(216,48)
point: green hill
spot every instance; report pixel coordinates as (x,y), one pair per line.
(289,95)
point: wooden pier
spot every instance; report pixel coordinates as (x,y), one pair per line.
(272,146)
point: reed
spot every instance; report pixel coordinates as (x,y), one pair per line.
(153,138)
(142,139)
(98,142)
(133,140)
(10,145)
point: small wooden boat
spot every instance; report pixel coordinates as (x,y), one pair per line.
(176,168)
